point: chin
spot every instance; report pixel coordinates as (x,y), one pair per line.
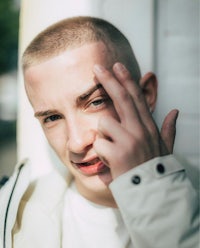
(96,182)
(95,188)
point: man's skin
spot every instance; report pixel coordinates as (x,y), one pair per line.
(136,129)
(97,120)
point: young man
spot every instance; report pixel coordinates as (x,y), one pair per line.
(85,87)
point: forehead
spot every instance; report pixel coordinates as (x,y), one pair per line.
(99,47)
(72,70)
(82,55)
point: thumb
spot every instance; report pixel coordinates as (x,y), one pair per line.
(168,130)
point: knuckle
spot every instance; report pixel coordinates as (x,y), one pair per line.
(154,130)
(124,95)
(144,136)
(139,95)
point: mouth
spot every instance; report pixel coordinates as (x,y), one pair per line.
(92,167)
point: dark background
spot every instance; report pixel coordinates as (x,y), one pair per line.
(9,26)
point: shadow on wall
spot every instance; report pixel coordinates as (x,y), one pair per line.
(7,148)
(8,113)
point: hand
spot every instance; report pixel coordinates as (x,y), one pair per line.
(133,139)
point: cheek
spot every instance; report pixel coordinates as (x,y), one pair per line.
(57,139)
(93,120)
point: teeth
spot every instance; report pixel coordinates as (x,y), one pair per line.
(91,162)
(86,164)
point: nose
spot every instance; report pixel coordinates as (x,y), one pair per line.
(80,136)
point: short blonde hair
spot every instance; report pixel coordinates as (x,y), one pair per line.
(75,32)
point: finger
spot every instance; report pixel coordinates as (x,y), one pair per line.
(137,93)
(104,150)
(112,130)
(168,130)
(121,98)
(124,77)
(111,136)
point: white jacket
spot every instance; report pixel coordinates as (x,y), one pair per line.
(158,204)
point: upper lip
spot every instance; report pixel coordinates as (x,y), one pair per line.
(89,161)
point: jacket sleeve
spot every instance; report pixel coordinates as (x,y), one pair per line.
(159,205)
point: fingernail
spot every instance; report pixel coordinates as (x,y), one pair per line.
(99,68)
(177,113)
(120,67)
(176,116)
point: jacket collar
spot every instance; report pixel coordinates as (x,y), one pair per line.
(43,195)
(10,197)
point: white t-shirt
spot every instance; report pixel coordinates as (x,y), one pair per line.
(88,225)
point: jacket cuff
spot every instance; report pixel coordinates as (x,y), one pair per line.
(154,169)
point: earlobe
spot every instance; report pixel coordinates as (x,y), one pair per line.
(149,86)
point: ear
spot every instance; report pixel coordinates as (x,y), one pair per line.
(149,86)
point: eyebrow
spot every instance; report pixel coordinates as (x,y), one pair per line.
(87,94)
(45,113)
(83,97)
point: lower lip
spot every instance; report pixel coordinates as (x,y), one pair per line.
(93,169)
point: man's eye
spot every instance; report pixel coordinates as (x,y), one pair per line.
(98,102)
(52,118)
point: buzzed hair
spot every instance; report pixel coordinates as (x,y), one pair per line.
(77,31)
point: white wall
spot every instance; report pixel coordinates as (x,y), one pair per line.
(177,66)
